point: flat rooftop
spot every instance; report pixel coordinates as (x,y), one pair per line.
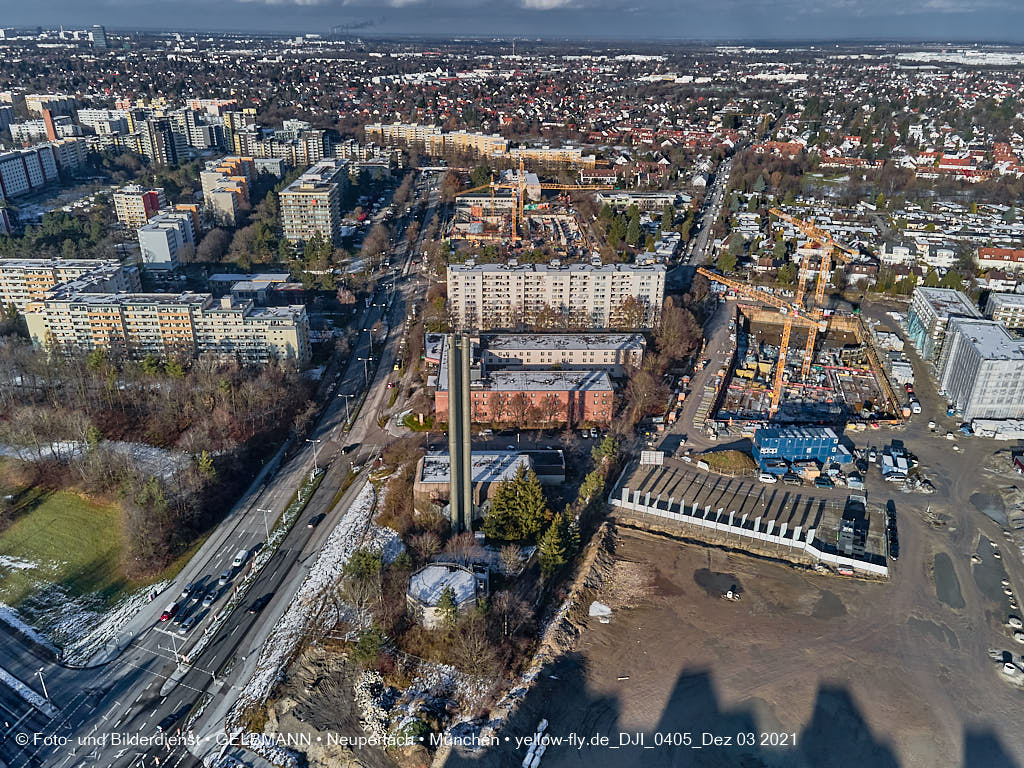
(1002,300)
(126,299)
(947,302)
(991,340)
(608,269)
(811,433)
(54,263)
(557,341)
(486,466)
(262,277)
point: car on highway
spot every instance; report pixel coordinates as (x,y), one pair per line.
(259,603)
(187,625)
(187,589)
(167,722)
(240,557)
(210,597)
(169,612)
(225,577)
(315,520)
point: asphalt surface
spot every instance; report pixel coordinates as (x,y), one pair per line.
(129,696)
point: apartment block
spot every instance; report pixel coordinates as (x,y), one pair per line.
(930,311)
(26,170)
(553,156)
(982,371)
(616,353)
(135,205)
(401,133)
(312,203)
(26,280)
(483,296)
(226,183)
(189,324)
(57,103)
(104,121)
(163,237)
(1007,309)
(70,154)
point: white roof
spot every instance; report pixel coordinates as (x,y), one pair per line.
(427,584)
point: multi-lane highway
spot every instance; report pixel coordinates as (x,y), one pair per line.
(129,692)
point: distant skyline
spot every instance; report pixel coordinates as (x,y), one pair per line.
(638,20)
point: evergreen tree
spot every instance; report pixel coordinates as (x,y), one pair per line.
(667,216)
(931,280)
(447,607)
(518,508)
(552,547)
(633,231)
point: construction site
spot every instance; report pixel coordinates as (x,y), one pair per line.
(799,364)
(512,212)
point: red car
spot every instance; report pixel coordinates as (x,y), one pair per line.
(169,612)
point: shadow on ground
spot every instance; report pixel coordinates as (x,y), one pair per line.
(836,735)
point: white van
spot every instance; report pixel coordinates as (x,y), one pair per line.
(765,477)
(240,558)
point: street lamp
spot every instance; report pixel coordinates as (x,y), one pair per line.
(369,332)
(315,442)
(347,417)
(266,525)
(43,683)
(366,370)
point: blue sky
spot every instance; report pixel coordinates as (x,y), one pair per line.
(1001,20)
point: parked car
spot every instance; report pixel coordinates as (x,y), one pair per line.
(593,432)
(791,479)
(169,612)
(915,406)
(823,482)
(894,549)
(767,478)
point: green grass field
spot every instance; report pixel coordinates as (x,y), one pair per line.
(73,542)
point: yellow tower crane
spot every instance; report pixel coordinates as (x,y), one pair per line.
(794,316)
(830,250)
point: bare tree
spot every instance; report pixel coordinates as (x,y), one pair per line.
(511,559)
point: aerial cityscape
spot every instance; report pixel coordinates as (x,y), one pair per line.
(473,385)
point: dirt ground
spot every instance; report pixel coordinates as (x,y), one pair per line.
(839,672)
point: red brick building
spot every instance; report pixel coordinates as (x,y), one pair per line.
(536,398)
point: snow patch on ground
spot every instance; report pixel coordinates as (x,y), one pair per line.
(10,617)
(17,564)
(156,461)
(81,626)
(27,693)
(306,608)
